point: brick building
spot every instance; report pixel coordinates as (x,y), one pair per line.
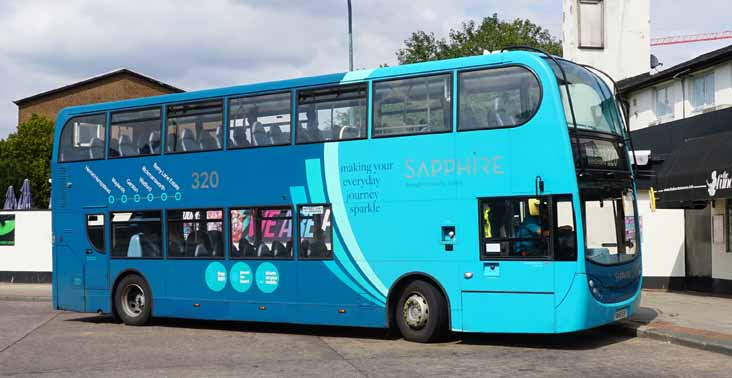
(120,84)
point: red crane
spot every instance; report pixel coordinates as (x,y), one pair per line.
(691,38)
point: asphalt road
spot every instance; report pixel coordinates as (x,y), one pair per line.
(38,342)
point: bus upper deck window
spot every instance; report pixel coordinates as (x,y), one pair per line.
(135,133)
(195,127)
(418,105)
(496,97)
(333,113)
(261,120)
(83,138)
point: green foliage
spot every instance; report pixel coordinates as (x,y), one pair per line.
(492,34)
(27,154)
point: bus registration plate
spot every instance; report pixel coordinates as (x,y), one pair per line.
(621,314)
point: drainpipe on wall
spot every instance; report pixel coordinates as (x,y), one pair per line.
(683,90)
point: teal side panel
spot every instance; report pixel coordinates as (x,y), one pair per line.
(517,312)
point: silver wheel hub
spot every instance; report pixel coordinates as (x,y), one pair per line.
(133,300)
(416,311)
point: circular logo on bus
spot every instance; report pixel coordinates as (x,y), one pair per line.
(216,276)
(268,277)
(241,277)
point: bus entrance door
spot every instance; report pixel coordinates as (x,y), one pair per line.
(96,261)
(68,274)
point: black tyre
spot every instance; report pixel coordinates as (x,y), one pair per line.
(133,301)
(421,313)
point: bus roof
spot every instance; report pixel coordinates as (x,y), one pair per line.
(342,77)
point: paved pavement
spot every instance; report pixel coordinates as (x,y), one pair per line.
(696,320)
(25,292)
(36,341)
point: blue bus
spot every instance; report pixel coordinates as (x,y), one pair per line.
(489,193)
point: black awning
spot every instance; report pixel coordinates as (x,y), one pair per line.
(698,170)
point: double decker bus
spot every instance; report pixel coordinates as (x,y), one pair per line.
(489,193)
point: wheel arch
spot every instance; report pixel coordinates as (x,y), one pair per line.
(120,276)
(400,283)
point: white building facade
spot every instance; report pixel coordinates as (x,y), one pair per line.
(686,242)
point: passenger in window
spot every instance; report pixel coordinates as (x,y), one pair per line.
(530,228)
(312,133)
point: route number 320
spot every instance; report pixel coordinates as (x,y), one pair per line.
(205,180)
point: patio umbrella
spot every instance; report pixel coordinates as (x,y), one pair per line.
(25,200)
(9,199)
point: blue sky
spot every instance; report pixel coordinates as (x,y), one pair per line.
(50,43)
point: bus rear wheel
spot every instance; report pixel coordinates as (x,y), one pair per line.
(133,300)
(421,313)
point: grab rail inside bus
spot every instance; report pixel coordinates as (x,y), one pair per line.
(566,88)
(625,109)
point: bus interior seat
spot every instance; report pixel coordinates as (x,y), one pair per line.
(349,132)
(317,249)
(279,249)
(96,148)
(260,135)
(239,137)
(187,142)
(278,137)
(234,250)
(176,246)
(207,142)
(246,248)
(126,148)
(201,237)
(113,147)
(305,248)
(154,142)
(288,247)
(216,239)
(302,135)
(201,251)
(263,250)
(171,140)
(149,246)
(218,139)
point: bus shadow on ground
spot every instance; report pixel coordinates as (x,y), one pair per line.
(584,340)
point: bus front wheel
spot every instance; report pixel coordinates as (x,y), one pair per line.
(133,300)
(421,313)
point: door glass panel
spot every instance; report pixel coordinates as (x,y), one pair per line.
(95,231)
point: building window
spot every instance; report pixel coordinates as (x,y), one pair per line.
(664,103)
(196,234)
(498,97)
(264,233)
(333,113)
(419,105)
(135,133)
(137,234)
(702,92)
(514,227)
(316,232)
(195,127)
(262,120)
(728,225)
(591,23)
(83,139)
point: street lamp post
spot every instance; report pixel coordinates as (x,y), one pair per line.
(350,38)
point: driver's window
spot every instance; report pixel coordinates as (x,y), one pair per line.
(515,227)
